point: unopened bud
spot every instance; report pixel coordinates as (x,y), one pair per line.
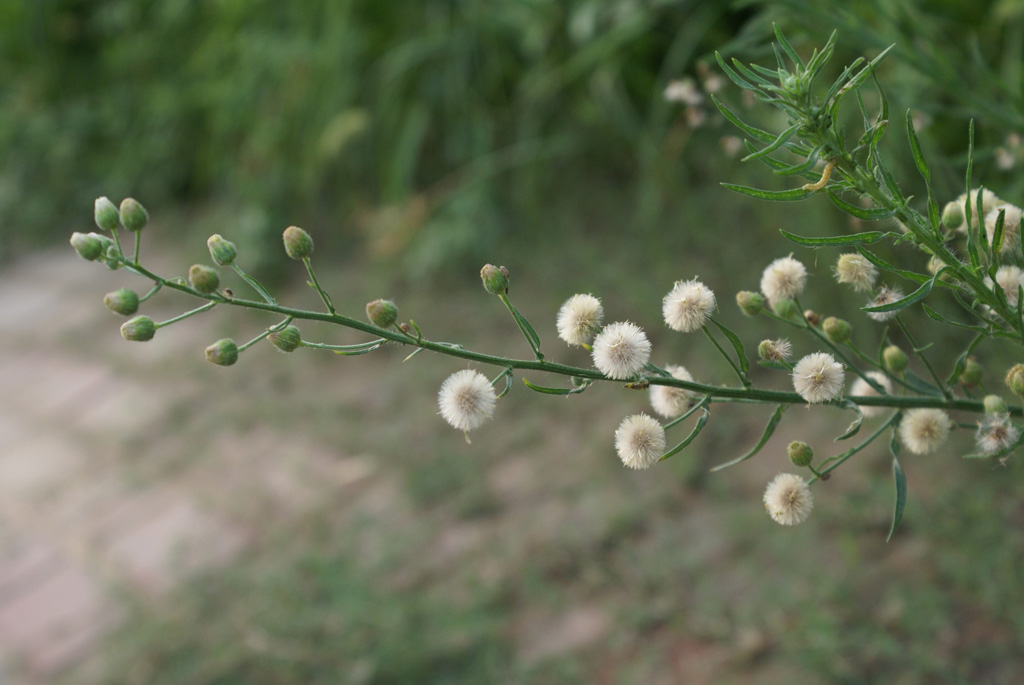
(994,404)
(297,243)
(971,375)
(133,215)
(800,453)
(124,302)
(139,329)
(382,313)
(495,279)
(106,214)
(288,339)
(87,246)
(1015,379)
(895,359)
(203,278)
(784,308)
(837,330)
(953,215)
(222,252)
(750,303)
(222,353)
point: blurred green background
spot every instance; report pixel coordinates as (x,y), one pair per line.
(418,140)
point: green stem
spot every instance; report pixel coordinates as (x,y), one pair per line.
(739,372)
(368,346)
(138,241)
(152,291)
(939,385)
(253,283)
(197,310)
(718,393)
(316,284)
(524,327)
(840,458)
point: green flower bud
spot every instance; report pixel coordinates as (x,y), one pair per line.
(784,308)
(382,313)
(297,243)
(288,339)
(800,453)
(895,359)
(222,252)
(837,330)
(994,404)
(87,246)
(203,278)
(139,329)
(106,214)
(971,375)
(750,303)
(222,353)
(1015,379)
(133,215)
(953,215)
(124,302)
(495,279)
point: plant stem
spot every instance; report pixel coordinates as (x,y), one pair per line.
(316,284)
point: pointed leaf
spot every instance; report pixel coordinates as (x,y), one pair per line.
(855,239)
(785,45)
(865,213)
(855,425)
(772,195)
(755,133)
(697,428)
(555,391)
(774,145)
(769,429)
(901,488)
(910,299)
(997,235)
(886,266)
(737,345)
(932,314)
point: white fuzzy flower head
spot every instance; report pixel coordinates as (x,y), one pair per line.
(788,499)
(886,295)
(996,433)
(1011,226)
(579,319)
(783,279)
(861,388)
(856,270)
(687,306)
(466,399)
(818,377)
(668,401)
(640,441)
(621,350)
(988,202)
(1009,278)
(778,350)
(924,430)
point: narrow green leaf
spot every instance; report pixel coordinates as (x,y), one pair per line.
(915,149)
(777,366)
(755,133)
(910,299)
(697,428)
(798,169)
(839,240)
(784,44)
(772,195)
(555,391)
(731,73)
(886,266)
(855,425)
(932,314)
(920,385)
(901,487)
(864,213)
(737,345)
(864,73)
(769,429)
(997,235)
(525,325)
(774,145)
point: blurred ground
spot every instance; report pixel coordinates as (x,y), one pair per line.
(309,518)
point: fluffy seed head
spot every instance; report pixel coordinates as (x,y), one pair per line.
(687,306)
(886,295)
(856,270)
(861,388)
(466,399)
(640,441)
(775,350)
(788,499)
(818,377)
(783,279)
(1009,278)
(621,350)
(668,401)
(924,430)
(579,319)
(996,433)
